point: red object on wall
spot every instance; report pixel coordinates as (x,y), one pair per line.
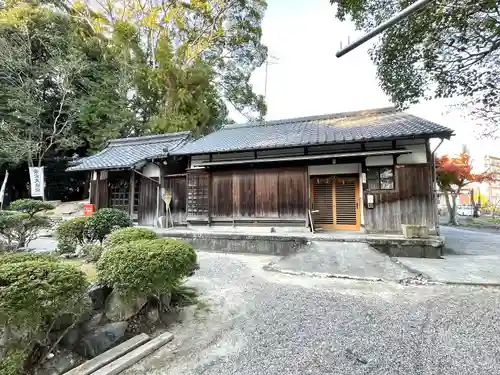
(88,209)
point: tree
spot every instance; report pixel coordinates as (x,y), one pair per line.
(448,49)
(61,85)
(39,66)
(453,174)
(191,57)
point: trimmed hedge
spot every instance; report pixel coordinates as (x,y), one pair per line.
(18,257)
(126,235)
(104,221)
(70,234)
(146,267)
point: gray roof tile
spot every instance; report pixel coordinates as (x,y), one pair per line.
(127,152)
(376,124)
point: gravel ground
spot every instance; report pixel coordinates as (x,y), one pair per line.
(268,323)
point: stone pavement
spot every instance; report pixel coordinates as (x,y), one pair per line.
(343,260)
(471,257)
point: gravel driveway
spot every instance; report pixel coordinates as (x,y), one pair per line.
(268,323)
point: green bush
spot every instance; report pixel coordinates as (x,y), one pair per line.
(30,206)
(35,292)
(126,235)
(92,252)
(70,234)
(146,267)
(17,257)
(12,362)
(102,222)
(20,228)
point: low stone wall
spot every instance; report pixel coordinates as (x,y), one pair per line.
(412,248)
(286,244)
(240,243)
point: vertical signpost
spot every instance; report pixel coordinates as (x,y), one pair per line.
(37,182)
(2,190)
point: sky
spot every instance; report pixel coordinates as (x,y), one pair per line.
(309,80)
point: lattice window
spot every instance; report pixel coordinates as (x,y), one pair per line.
(119,193)
(197,195)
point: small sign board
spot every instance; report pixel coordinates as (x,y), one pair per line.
(36,181)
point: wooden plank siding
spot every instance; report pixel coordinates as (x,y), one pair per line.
(409,203)
(102,192)
(259,194)
(148,193)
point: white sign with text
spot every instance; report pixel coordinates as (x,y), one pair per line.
(36,181)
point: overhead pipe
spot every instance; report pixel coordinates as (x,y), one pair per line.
(415,7)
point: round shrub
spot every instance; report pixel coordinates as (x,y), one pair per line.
(92,252)
(35,292)
(102,222)
(146,267)
(70,233)
(126,235)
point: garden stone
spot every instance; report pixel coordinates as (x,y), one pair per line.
(94,322)
(101,339)
(71,337)
(118,308)
(61,363)
(63,321)
(98,293)
(165,299)
(153,314)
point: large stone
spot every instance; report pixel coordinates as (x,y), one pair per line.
(118,308)
(165,299)
(95,321)
(63,321)
(62,362)
(70,338)
(101,339)
(98,293)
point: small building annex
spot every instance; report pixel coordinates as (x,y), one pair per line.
(130,173)
(366,171)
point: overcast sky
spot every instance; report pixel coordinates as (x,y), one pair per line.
(309,80)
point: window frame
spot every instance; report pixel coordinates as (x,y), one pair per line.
(379,178)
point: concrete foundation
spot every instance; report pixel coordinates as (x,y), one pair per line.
(290,243)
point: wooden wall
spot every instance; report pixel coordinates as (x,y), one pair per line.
(266,194)
(177,185)
(411,202)
(148,200)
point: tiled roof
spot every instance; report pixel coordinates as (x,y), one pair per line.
(369,125)
(127,152)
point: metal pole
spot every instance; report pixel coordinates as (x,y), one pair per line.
(382,27)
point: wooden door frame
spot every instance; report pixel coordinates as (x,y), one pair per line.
(356,226)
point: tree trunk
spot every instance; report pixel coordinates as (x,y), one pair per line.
(452,208)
